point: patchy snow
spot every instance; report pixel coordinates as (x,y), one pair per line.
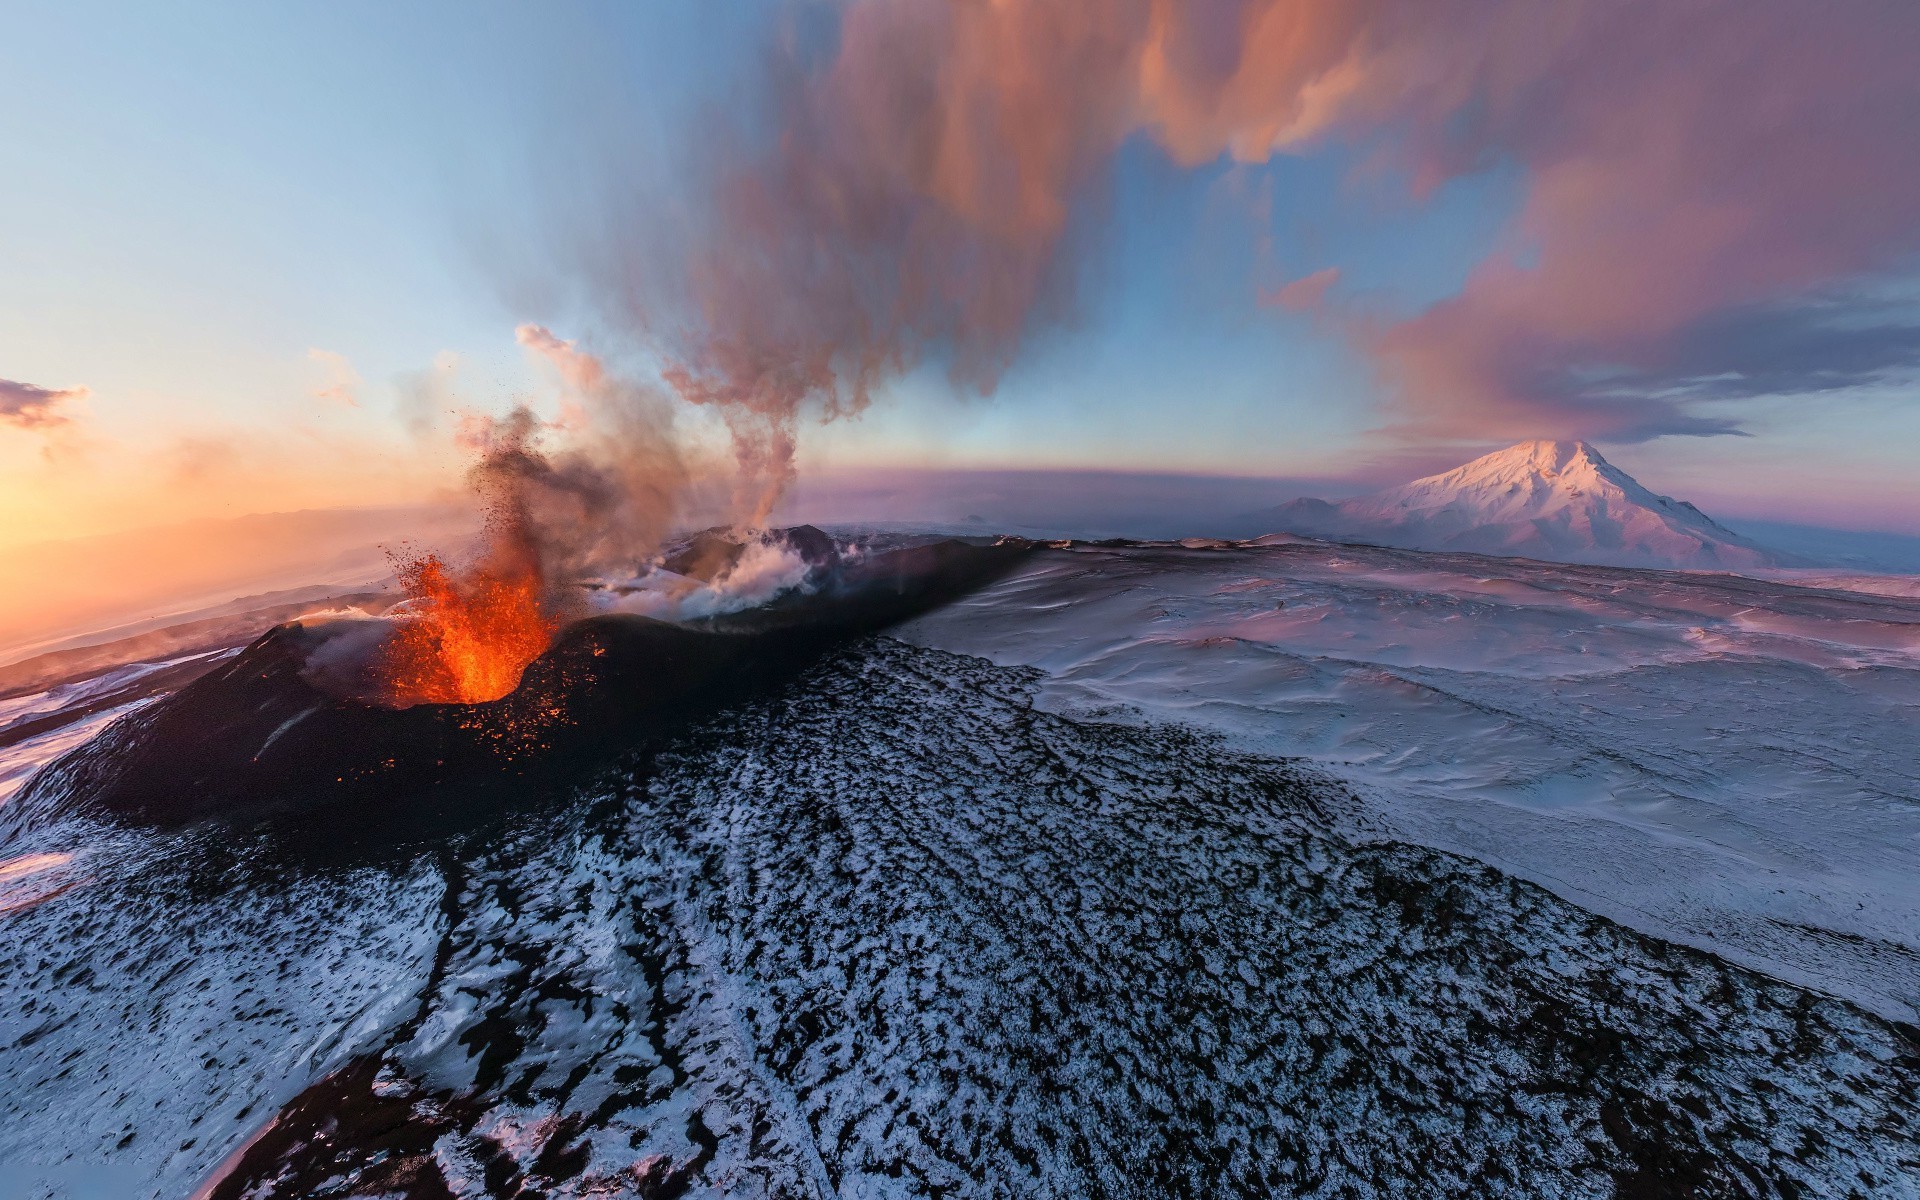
(1730,762)
(898,932)
(1151,871)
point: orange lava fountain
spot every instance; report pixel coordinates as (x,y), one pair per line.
(467,637)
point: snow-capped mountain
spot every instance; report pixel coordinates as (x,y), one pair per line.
(1558,501)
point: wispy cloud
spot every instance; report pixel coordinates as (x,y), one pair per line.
(1304,294)
(1821,344)
(29,406)
(579,370)
(341,384)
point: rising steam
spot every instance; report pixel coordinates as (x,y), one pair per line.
(600,504)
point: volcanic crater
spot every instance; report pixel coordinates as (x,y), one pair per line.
(266,739)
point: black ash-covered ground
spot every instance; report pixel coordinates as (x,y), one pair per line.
(896,932)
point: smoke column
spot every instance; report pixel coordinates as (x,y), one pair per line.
(905,193)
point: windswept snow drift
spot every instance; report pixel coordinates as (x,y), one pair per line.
(1731,762)
(1558,501)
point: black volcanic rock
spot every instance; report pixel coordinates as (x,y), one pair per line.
(255,742)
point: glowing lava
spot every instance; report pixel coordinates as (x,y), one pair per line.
(464,638)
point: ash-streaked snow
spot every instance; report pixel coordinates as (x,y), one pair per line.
(1189,894)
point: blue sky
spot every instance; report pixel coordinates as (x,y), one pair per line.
(201,195)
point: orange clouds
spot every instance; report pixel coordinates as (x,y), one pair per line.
(920,183)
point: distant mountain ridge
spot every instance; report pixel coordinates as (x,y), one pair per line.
(1559,501)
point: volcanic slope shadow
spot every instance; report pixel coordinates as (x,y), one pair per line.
(255,744)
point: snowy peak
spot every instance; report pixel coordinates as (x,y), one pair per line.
(1533,469)
(1531,479)
(1556,500)
(1536,459)
(1527,473)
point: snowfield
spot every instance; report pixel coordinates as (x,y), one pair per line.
(1729,762)
(1227,870)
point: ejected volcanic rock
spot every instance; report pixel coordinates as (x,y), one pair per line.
(258,742)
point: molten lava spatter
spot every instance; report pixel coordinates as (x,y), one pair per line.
(466,638)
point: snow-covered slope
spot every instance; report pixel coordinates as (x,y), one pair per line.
(1720,760)
(1558,501)
(1148,872)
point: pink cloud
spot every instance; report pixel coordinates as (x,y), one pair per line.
(579,370)
(29,406)
(1304,294)
(1682,161)
(1682,158)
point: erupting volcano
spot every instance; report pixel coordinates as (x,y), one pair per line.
(464,638)
(493,688)
(466,633)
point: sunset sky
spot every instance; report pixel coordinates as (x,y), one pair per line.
(258,257)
